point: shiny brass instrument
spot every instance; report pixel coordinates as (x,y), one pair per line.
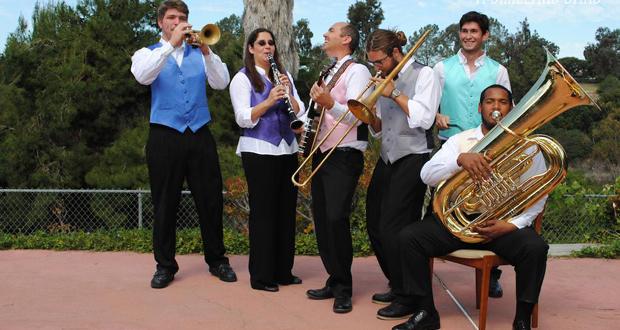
(209,35)
(461,204)
(364,109)
(318,145)
(361,109)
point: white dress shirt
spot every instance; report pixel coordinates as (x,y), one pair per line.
(443,165)
(502,73)
(425,102)
(146,64)
(355,78)
(240,95)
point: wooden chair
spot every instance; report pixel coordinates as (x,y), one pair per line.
(483,261)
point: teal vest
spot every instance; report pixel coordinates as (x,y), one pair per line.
(460,96)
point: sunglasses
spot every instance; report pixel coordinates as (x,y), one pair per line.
(263,42)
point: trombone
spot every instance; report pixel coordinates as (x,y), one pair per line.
(363,110)
(316,146)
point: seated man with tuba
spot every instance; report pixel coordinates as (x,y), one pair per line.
(515,240)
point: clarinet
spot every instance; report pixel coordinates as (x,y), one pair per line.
(311,126)
(295,122)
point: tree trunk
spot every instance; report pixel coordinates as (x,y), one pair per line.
(277,16)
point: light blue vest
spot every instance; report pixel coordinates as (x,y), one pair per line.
(460,96)
(179,94)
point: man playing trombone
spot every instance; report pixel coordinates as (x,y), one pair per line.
(180,145)
(405,113)
(334,183)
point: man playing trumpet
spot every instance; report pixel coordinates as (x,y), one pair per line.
(180,145)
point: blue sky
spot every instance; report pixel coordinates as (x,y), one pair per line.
(571,24)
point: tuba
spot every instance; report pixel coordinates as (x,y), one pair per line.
(461,204)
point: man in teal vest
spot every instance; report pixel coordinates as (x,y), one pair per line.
(463,77)
(180,145)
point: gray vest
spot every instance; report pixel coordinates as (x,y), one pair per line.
(397,139)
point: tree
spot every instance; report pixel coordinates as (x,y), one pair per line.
(230,49)
(430,51)
(277,16)
(74,69)
(604,56)
(495,44)
(525,58)
(365,16)
(303,37)
(578,68)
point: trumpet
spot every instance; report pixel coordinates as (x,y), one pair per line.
(208,35)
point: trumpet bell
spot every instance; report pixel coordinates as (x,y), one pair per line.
(209,35)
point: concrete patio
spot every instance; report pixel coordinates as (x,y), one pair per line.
(110,290)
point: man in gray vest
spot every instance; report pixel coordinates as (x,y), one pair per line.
(405,115)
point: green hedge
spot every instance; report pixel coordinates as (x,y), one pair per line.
(608,251)
(139,240)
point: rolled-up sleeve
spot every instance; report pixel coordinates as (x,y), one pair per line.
(240,96)
(423,106)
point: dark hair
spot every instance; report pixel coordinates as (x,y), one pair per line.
(386,41)
(171,4)
(250,65)
(476,17)
(349,30)
(482,95)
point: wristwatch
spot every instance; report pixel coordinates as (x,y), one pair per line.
(395,94)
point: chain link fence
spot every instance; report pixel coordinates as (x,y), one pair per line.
(25,211)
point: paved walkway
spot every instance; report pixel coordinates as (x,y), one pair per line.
(110,290)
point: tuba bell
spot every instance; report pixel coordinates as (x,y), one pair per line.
(461,204)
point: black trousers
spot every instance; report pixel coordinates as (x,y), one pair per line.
(523,248)
(171,158)
(333,188)
(273,199)
(395,199)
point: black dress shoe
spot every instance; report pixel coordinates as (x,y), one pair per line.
(161,279)
(293,280)
(420,320)
(395,311)
(264,287)
(521,325)
(224,272)
(342,304)
(384,298)
(495,289)
(320,294)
